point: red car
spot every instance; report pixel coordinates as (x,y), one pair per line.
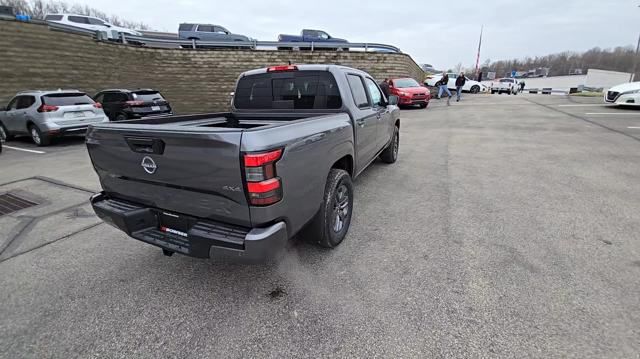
(409,92)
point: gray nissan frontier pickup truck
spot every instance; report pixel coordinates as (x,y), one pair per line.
(241,184)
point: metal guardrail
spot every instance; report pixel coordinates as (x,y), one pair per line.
(254,45)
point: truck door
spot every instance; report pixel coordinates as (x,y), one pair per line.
(366,123)
(379,106)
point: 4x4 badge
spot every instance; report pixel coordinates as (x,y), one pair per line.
(149,165)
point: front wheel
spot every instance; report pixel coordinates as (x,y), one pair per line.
(330,225)
(121,117)
(390,154)
(424,105)
(475,89)
(4,134)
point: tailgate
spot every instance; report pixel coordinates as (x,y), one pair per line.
(191,172)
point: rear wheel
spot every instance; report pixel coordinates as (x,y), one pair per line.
(121,117)
(331,224)
(475,89)
(39,138)
(390,154)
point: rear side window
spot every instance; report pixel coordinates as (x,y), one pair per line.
(358,91)
(185,27)
(79,19)
(67,99)
(25,102)
(53,17)
(205,28)
(296,90)
(506,80)
(147,96)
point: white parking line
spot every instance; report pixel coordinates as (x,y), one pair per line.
(633,127)
(23,149)
(587,105)
(613,113)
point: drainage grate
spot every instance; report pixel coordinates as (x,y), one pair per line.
(10,203)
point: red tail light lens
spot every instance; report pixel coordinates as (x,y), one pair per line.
(282,68)
(47,108)
(97,105)
(263,187)
(259,159)
(135,103)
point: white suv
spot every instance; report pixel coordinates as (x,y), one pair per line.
(89,23)
(43,115)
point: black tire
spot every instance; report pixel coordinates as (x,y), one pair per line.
(493,92)
(423,105)
(38,137)
(438,84)
(390,154)
(475,89)
(331,224)
(120,117)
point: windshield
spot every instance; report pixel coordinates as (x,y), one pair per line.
(147,96)
(67,99)
(297,90)
(404,83)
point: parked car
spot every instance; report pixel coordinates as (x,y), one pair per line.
(627,94)
(409,92)
(509,86)
(89,23)
(469,86)
(122,104)
(44,115)
(208,32)
(241,183)
(307,35)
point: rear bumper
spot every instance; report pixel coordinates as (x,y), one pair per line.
(201,238)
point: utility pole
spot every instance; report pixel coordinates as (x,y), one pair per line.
(635,60)
(478,56)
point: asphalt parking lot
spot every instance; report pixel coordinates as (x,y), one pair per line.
(508,228)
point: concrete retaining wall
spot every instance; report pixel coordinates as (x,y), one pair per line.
(35,57)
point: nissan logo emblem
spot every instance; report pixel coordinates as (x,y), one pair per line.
(149,165)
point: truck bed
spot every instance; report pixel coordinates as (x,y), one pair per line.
(215,120)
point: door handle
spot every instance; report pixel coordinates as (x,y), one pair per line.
(360,122)
(145,145)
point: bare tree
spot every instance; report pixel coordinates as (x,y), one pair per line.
(37,9)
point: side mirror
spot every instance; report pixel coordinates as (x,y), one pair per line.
(393,100)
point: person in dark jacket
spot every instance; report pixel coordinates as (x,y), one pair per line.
(384,86)
(521,86)
(444,86)
(460,80)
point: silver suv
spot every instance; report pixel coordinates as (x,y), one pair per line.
(43,115)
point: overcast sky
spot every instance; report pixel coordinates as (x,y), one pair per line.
(442,33)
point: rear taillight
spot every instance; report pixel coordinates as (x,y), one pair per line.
(135,103)
(47,108)
(97,105)
(263,187)
(282,68)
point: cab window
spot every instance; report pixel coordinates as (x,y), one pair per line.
(12,105)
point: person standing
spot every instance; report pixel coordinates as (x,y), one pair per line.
(384,86)
(460,81)
(444,87)
(521,86)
